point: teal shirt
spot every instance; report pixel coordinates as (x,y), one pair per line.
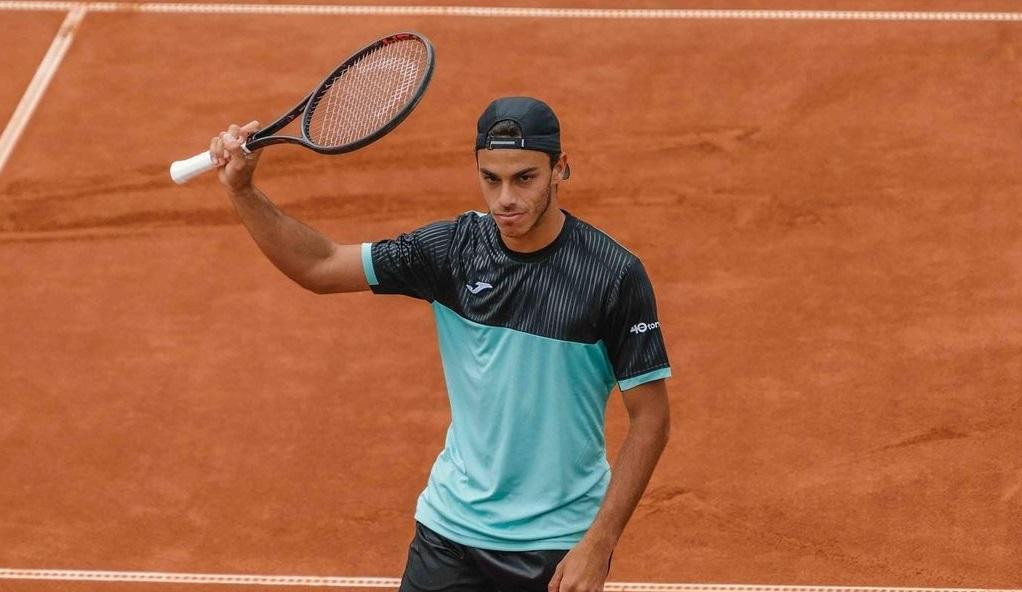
(524,464)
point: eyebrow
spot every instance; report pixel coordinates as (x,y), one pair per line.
(521,172)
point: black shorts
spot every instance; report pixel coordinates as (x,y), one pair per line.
(438,564)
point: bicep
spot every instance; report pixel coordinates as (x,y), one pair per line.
(342,271)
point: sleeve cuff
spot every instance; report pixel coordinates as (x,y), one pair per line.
(644,378)
(367,264)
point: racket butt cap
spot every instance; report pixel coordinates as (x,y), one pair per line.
(181,171)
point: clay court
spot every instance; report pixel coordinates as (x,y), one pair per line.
(829,209)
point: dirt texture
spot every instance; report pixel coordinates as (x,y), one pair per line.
(829,212)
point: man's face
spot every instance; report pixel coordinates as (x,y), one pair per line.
(518,186)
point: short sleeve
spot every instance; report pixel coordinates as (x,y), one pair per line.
(632,332)
(413,264)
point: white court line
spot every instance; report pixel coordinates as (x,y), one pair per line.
(43,74)
(505,12)
(366,582)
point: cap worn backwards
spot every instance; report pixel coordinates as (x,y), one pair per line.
(541,130)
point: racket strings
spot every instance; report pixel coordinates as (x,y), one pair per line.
(369,94)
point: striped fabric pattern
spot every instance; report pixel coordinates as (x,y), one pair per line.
(584,287)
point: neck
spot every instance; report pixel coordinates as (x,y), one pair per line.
(542,234)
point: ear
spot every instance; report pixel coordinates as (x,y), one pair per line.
(561,169)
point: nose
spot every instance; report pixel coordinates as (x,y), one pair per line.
(506,200)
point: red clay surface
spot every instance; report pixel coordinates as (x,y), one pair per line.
(829,212)
(26,39)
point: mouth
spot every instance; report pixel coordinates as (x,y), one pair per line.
(508,217)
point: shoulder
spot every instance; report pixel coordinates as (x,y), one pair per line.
(446,231)
(471,221)
(600,247)
(471,229)
(443,239)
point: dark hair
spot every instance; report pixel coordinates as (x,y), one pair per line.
(508,128)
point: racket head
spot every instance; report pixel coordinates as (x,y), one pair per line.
(369,94)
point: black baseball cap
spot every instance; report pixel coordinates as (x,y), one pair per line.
(540,129)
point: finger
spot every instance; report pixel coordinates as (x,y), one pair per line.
(248,129)
(221,147)
(219,155)
(212,150)
(233,131)
(555,581)
(232,145)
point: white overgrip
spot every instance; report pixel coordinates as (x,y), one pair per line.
(183,170)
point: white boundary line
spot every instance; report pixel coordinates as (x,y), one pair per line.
(369,582)
(43,74)
(505,12)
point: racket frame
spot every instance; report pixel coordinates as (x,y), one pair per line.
(264,137)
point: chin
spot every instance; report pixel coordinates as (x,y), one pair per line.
(510,232)
(518,228)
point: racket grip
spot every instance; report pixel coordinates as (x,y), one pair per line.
(183,170)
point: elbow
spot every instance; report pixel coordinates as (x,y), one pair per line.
(665,432)
(314,280)
(312,284)
(317,288)
(662,429)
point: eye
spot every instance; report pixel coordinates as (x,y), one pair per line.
(490,179)
(526,177)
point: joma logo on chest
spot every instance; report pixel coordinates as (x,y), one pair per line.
(479,287)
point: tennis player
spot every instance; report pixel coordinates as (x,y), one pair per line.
(539,315)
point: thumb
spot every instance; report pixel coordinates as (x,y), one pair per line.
(555,581)
(248,129)
(234,145)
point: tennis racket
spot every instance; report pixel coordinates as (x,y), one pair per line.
(361,101)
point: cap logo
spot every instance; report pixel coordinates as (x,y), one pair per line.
(492,143)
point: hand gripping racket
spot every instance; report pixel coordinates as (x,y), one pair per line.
(361,101)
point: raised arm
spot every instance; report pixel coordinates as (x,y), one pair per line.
(302,253)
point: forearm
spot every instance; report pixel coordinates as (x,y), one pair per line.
(638,456)
(295,248)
